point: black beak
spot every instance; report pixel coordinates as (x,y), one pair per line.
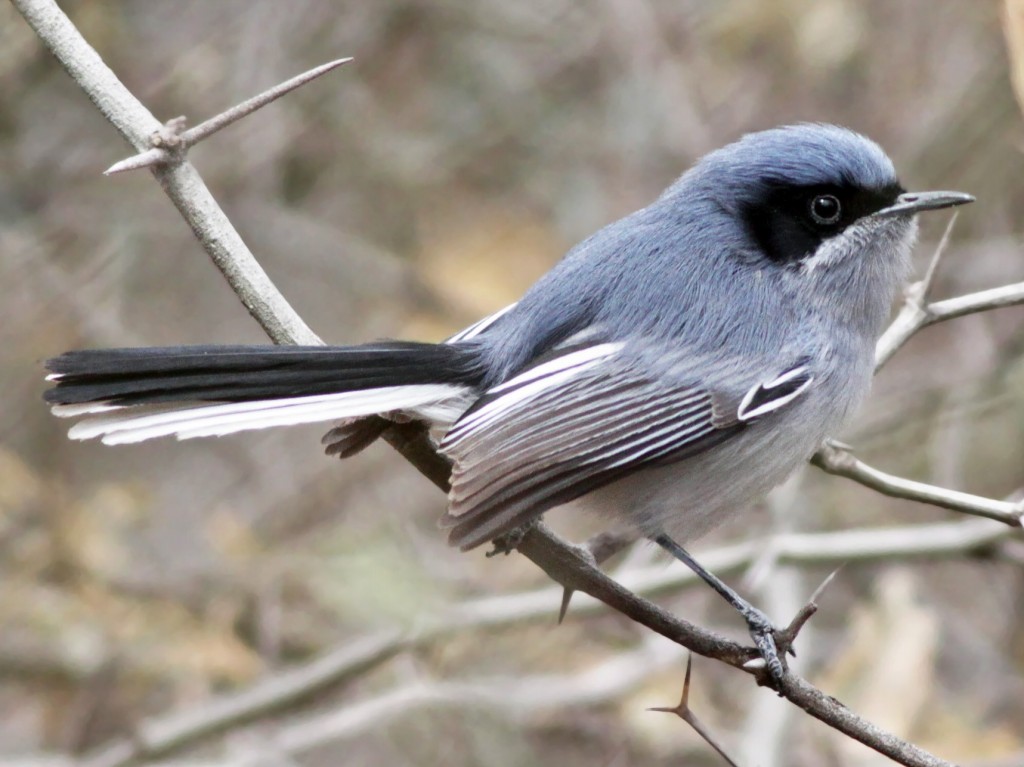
(909,203)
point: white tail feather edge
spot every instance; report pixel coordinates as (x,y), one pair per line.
(123,425)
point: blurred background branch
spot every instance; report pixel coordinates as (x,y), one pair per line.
(560,120)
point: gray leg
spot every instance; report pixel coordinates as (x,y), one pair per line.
(761,629)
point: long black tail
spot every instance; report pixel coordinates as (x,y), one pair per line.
(129,395)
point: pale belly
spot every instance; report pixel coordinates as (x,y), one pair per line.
(687,499)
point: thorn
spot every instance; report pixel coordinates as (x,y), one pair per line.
(172,140)
(836,444)
(147,159)
(682,710)
(166,146)
(933,265)
(208,127)
(595,551)
(788,635)
(825,584)
(683,707)
(566,599)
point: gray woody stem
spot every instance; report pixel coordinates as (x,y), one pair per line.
(181,181)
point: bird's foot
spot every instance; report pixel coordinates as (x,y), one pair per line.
(764,633)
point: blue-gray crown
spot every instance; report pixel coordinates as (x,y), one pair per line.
(806,155)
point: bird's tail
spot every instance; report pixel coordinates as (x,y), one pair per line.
(131,395)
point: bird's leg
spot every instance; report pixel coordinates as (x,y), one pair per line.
(761,628)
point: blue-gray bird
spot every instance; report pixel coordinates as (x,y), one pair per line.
(670,370)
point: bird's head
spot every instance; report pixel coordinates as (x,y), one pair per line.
(815,196)
(823,204)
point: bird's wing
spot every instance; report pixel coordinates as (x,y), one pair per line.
(581,418)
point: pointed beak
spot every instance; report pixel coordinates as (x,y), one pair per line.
(909,203)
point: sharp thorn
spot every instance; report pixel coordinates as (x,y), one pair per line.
(564,608)
(208,127)
(147,159)
(824,585)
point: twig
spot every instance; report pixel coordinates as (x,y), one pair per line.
(171,142)
(160,736)
(562,565)
(971,303)
(844,464)
(928,281)
(917,313)
(514,698)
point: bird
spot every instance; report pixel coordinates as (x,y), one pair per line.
(667,373)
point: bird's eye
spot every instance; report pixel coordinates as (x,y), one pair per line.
(826,210)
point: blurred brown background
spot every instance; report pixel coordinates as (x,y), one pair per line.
(470,144)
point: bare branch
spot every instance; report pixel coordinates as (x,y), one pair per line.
(563,565)
(181,182)
(168,733)
(917,313)
(982,301)
(844,464)
(514,698)
(160,736)
(911,318)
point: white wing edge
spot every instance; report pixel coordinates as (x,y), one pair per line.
(742,412)
(479,326)
(531,383)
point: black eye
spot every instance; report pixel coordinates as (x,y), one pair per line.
(826,210)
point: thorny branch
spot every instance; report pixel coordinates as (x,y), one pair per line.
(181,182)
(559,559)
